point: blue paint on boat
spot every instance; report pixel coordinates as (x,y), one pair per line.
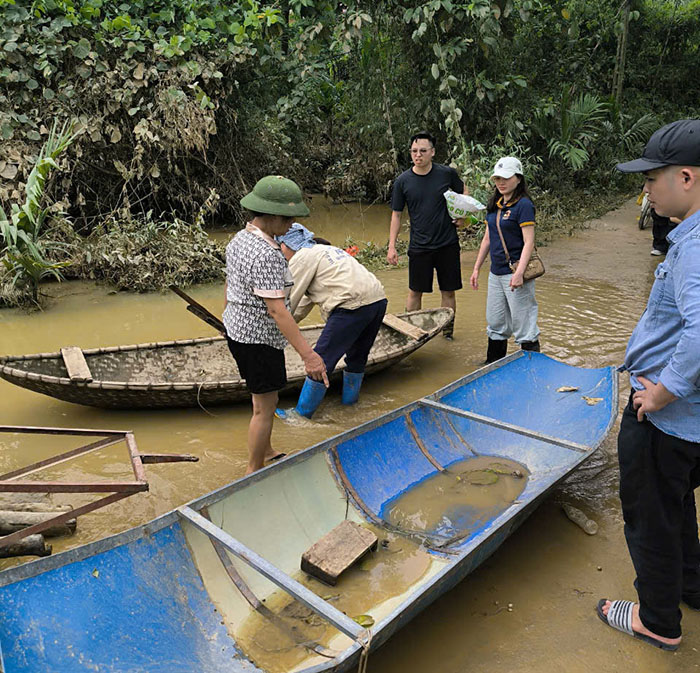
(440,437)
(383,463)
(136,603)
(136,607)
(525,393)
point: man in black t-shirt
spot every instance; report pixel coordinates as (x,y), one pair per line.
(433,245)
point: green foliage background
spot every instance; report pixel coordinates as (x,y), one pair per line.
(174,98)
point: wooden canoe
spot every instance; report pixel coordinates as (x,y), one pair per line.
(198,588)
(189,372)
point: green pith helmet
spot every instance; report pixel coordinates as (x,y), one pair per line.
(275,195)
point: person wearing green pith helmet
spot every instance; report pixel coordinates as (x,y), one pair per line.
(257,318)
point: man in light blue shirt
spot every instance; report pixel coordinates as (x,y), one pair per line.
(659,440)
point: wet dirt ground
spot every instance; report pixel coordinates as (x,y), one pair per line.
(551,572)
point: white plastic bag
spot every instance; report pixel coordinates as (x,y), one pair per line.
(460,205)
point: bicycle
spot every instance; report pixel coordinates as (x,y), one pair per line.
(644,220)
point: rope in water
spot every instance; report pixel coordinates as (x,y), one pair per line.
(364,655)
(201,406)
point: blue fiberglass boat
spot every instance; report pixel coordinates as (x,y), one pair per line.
(196,589)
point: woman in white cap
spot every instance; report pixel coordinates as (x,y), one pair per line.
(511,307)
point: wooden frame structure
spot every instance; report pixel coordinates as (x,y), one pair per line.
(10,482)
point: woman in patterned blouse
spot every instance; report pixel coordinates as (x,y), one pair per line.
(257,318)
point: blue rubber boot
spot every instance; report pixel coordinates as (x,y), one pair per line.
(310,397)
(352,383)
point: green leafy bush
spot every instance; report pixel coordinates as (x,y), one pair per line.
(139,255)
(146,81)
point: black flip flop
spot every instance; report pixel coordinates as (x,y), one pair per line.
(620,617)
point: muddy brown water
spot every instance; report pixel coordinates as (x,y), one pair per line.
(279,643)
(550,571)
(459,500)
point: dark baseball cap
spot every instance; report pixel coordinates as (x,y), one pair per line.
(676,144)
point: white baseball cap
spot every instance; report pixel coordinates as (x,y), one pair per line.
(507,167)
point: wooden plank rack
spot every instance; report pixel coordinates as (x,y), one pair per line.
(337,550)
(10,482)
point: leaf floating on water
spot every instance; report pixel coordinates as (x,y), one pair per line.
(500,468)
(567,389)
(365,621)
(592,401)
(95,573)
(481,477)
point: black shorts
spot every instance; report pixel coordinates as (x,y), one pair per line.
(261,366)
(444,260)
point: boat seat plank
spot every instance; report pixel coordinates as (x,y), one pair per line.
(337,550)
(405,328)
(76,365)
(573,446)
(325,610)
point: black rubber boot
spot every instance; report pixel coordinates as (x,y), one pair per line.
(530,346)
(497,349)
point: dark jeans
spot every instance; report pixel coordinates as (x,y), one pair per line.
(350,332)
(658,474)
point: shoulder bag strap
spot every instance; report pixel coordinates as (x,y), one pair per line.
(500,234)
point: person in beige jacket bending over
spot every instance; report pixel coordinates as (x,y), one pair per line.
(352,302)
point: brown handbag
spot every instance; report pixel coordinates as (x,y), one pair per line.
(534,268)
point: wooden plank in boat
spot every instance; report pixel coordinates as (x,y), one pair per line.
(396,323)
(76,365)
(337,550)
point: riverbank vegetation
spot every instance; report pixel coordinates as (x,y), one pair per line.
(173,101)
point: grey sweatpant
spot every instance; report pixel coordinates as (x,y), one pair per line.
(511,312)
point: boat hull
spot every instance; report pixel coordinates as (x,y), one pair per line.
(189,373)
(155,578)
